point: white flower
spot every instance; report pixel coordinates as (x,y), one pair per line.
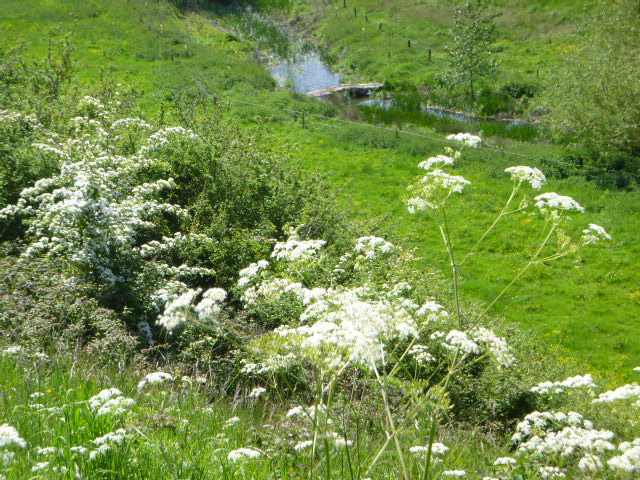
(622,393)
(454,473)
(303,445)
(116,437)
(155,378)
(231,422)
(38,467)
(79,449)
(10,436)
(433,190)
(116,406)
(527,174)
(257,392)
(98,400)
(466,138)
(594,233)
(240,453)
(590,463)
(437,160)
(437,448)
(45,450)
(628,462)
(505,461)
(371,246)
(457,340)
(579,381)
(552,201)
(101,450)
(296,249)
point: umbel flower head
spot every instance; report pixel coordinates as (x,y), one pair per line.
(433,190)
(553,201)
(522,174)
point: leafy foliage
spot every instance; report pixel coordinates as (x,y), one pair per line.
(470,54)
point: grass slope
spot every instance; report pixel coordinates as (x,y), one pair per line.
(531,36)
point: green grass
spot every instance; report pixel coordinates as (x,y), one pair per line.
(531,36)
(144,44)
(176,429)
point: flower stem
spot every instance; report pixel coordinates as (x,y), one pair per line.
(446,237)
(502,213)
(531,262)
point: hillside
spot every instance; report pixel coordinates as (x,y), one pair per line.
(205,275)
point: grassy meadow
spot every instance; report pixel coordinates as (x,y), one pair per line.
(196,286)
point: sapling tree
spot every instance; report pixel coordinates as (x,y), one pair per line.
(470,53)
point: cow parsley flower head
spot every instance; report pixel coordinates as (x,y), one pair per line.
(454,473)
(372,246)
(553,201)
(437,448)
(101,398)
(527,174)
(10,436)
(155,378)
(257,392)
(628,462)
(621,393)
(433,190)
(590,463)
(243,453)
(579,381)
(296,249)
(505,461)
(305,444)
(594,233)
(438,160)
(466,138)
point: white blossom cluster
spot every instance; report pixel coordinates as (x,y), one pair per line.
(469,343)
(246,274)
(578,381)
(94,210)
(180,309)
(437,448)
(296,249)
(9,436)
(630,391)
(372,246)
(547,437)
(155,378)
(553,201)
(532,175)
(466,138)
(349,328)
(438,160)
(594,233)
(433,190)
(110,401)
(242,454)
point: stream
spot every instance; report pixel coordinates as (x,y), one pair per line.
(297,65)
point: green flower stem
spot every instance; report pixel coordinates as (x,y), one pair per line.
(502,213)
(391,423)
(446,237)
(531,262)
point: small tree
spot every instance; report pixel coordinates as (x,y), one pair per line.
(470,57)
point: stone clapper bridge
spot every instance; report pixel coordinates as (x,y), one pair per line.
(354,90)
